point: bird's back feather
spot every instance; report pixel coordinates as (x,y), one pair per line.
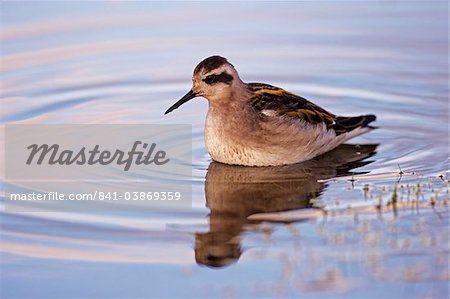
(266,97)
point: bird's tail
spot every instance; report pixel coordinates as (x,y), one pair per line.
(345,124)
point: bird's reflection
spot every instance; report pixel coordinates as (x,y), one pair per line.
(235,192)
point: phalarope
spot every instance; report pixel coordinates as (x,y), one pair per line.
(257,124)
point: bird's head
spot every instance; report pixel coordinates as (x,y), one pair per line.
(214,79)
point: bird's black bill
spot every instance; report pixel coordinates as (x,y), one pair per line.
(189,96)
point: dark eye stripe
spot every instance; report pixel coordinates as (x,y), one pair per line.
(223,77)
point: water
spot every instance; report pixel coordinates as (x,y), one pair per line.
(328,227)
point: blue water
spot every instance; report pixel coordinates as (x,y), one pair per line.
(121,63)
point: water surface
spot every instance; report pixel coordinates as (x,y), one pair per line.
(328,227)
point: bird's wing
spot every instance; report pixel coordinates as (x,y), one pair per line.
(273,100)
(346,124)
(266,97)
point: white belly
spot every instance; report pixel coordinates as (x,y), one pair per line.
(231,141)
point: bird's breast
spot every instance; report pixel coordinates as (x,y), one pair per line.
(237,139)
(225,138)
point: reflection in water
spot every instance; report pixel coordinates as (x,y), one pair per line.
(235,192)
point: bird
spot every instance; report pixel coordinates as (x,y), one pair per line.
(258,124)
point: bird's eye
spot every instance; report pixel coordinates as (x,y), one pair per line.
(210,79)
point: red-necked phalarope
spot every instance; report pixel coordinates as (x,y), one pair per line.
(257,124)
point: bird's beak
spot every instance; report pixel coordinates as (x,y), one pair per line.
(189,96)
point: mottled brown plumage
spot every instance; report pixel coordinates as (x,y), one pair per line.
(285,103)
(268,97)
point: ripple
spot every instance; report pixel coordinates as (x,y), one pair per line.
(132,76)
(327,228)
